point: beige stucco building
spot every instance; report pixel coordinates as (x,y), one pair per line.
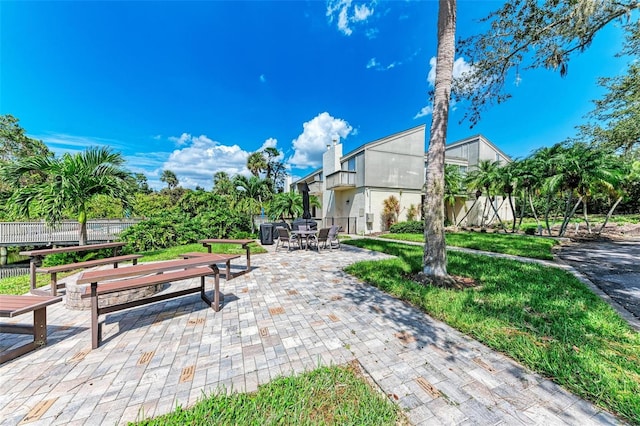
(352,187)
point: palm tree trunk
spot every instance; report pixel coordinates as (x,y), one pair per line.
(434,263)
(586,217)
(496,215)
(565,223)
(546,214)
(468,211)
(609,214)
(82,220)
(513,213)
(533,209)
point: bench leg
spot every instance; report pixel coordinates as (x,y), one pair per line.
(248,257)
(39,332)
(54,283)
(95,338)
(32,273)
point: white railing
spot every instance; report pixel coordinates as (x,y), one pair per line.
(13,272)
(40,232)
(341,179)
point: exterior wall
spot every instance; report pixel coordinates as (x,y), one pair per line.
(375,205)
(396,162)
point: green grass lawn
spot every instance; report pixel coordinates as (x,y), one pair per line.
(517,245)
(325,396)
(540,316)
(20,285)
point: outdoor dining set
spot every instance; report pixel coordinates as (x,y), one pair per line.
(304,237)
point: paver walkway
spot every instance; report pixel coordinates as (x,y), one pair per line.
(294,311)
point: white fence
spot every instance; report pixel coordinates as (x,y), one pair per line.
(12,272)
(16,233)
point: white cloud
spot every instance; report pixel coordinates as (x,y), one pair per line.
(372,63)
(347,13)
(199,158)
(263,79)
(316,135)
(424,111)
(361,13)
(460,67)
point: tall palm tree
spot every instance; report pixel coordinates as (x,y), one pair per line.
(69,183)
(256,163)
(169,178)
(222,184)
(434,260)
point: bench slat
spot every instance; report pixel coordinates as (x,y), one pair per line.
(88,263)
(12,305)
(131,283)
(150,268)
(69,249)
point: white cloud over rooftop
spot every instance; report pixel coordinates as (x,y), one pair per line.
(316,135)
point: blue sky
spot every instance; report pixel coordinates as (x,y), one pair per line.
(194,87)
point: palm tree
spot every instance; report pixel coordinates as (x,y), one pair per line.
(285,203)
(485,177)
(222,184)
(256,163)
(452,188)
(69,183)
(169,178)
(252,192)
(434,260)
(507,179)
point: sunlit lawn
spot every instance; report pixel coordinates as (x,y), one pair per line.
(514,244)
(325,396)
(541,316)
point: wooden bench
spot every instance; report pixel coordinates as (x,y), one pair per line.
(228,274)
(38,255)
(11,306)
(132,277)
(53,270)
(209,242)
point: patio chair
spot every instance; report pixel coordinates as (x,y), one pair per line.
(285,237)
(332,238)
(323,235)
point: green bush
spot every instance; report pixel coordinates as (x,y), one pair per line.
(529,229)
(172,229)
(409,227)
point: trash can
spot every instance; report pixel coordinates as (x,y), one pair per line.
(266,234)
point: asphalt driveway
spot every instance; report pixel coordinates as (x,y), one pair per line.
(614,266)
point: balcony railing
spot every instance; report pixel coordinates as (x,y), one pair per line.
(341,180)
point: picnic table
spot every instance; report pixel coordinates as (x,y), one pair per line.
(209,242)
(38,255)
(110,281)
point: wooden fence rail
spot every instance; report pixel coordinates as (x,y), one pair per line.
(16,233)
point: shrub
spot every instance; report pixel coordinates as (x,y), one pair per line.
(409,227)
(529,229)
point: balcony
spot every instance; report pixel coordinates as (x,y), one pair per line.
(315,188)
(341,180)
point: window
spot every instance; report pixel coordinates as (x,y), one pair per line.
(463,170)
(498,158)
(464,151)
(351,164)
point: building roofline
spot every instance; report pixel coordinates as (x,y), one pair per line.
(474,137)
(381,140)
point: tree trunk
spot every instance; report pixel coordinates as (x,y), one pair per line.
(468,211)
(609,214)
(586,217)
(82,220)
(533,209)
(496,215)
(546,214)
(434,264)
(513,214)
(565,223)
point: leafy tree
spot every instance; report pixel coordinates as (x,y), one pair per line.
(148,205)
(276,171)
(390,210)
(485,176)
(285,204)
(69,183)
(614,121)
(169,178)
(525,34)
(142,183)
